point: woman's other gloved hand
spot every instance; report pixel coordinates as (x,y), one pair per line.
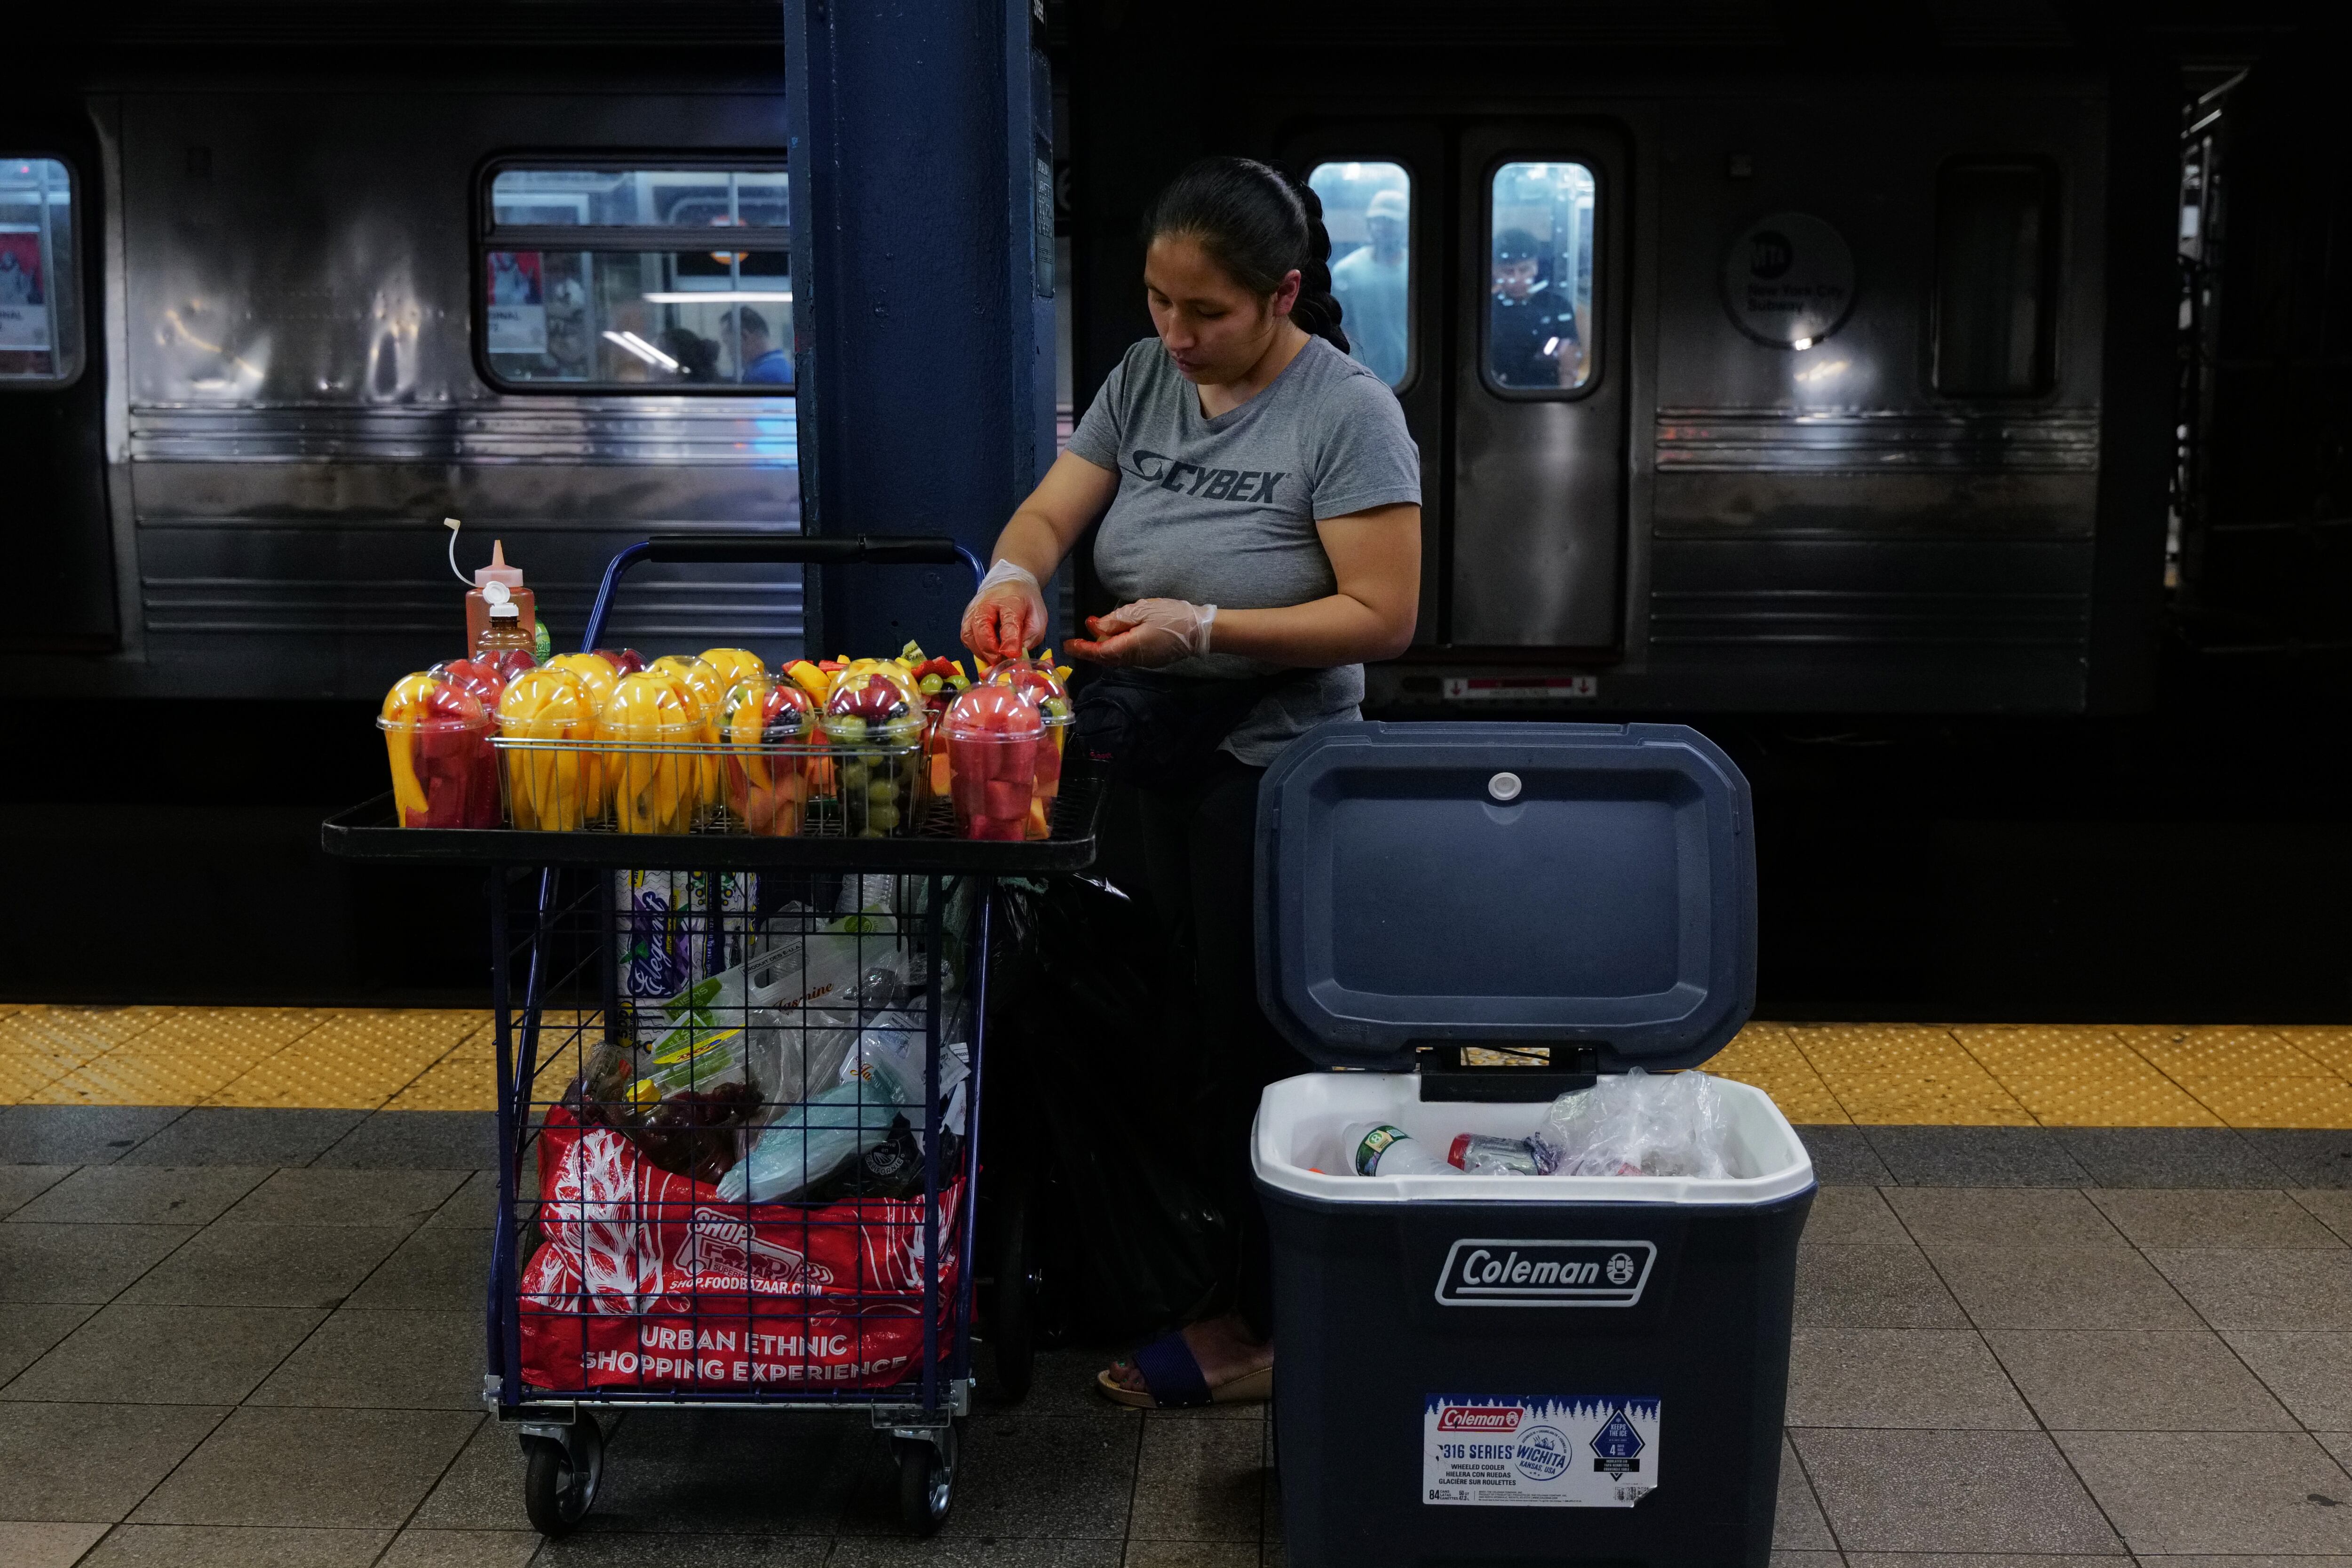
(1147,634)
(1007,617)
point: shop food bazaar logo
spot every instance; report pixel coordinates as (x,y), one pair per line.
(1488,1272)
(721,1248)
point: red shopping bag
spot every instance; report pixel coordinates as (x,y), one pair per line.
(647,1280)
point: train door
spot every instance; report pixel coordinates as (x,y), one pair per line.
(1383,190)
(1500,323)
(1538,521)
(61,595)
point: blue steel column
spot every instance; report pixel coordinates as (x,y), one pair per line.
(924,347)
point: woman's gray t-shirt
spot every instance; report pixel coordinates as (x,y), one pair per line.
(1222,512)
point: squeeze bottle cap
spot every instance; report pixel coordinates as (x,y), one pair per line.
(506,610)
(498,571)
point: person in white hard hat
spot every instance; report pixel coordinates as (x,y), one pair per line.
(1369,282)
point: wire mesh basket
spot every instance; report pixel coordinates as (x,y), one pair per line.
(867,789)
(750,1124)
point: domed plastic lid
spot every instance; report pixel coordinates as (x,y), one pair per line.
(734,664)
(653,707)
(706,693)
(874,690)
(481,678)
(1566,885)
(556,699)
(994,712)
(1041,680)
(595,671)
(427,701)
(761,711)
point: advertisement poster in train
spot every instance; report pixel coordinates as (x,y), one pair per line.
(564,284)
(515,313)
(24,310)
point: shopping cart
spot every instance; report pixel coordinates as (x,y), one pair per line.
(691,1029)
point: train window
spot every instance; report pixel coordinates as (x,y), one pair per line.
(607,278)
(40,319)
(1368,209)
(1995,266)
(1539,292)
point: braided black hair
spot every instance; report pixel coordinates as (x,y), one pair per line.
(1259,223)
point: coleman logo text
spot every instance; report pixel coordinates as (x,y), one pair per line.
(1485,1272)
(1480,1418)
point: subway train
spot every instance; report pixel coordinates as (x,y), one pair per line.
(265,320)
(1854,386)
(1747,373)
(306,300)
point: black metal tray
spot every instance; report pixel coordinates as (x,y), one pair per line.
(367,832)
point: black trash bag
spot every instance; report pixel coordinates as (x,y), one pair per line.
(1089,1099)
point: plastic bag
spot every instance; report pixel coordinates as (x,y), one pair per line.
(881,1082)
(809,1141)
(1640,1124)
(795,1049)
(699,1054)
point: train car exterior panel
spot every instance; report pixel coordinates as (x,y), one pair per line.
(299,401)
(1865,520)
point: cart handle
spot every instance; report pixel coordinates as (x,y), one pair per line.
(863,550)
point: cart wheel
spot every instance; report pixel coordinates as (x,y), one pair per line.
(561,1482)
(926,1480)
(1013,1325)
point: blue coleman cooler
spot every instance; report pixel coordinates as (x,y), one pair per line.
(1515,1368)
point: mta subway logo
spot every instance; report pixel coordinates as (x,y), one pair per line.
(1486,1272)
(1249,485)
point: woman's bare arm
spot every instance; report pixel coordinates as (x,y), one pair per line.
(1376,556)
(1066,502)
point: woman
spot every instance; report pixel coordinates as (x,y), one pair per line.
(1260,503)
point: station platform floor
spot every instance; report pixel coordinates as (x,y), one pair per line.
(2067,1293)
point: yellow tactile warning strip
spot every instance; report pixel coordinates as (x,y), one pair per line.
(2027,1075)
(1962,1075)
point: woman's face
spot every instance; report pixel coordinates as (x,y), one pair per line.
(1213,329)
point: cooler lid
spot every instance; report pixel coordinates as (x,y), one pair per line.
(1464,884)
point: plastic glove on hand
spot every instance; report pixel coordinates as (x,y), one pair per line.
(1147,634)
(1007,616)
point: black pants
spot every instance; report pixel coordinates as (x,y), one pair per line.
(1192,850)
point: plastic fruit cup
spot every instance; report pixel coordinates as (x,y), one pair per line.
(445,771)
(597,675)
(995,735)
(874,719)
(768,735)
(707,695)
(1048,784)
(547,721)
(653,755)
(1041,684)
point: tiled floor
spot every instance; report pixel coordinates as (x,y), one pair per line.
(1859,1074)
(232,1336)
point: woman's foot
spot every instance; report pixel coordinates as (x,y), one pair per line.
(1223,1347)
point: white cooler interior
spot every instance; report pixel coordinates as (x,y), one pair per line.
(1295,1147)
